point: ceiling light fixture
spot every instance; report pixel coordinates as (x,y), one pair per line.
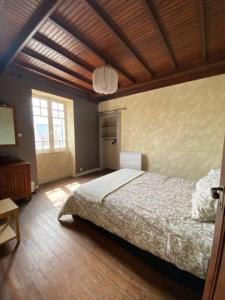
(105,80)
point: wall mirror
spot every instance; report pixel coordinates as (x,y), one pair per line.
(7,126)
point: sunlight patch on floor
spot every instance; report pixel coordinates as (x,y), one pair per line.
(57,196)
(72,186)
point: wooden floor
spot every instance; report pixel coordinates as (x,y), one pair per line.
(77,260)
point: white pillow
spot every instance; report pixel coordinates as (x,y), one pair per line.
(203,205)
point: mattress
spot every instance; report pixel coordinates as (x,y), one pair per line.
(153,212)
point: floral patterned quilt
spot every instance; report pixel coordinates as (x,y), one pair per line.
(153,212)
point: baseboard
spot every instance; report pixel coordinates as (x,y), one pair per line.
(87,172)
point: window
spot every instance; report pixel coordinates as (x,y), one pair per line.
(49,124)
(58,120)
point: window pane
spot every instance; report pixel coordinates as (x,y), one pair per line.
(61,114)
(56,145)
(58,128)
(38,145)
(45,145)
(55,113)
(41,130)
(54,105)
(59,144)
(35,102)
(61,106)
(44,103)
(44,112)
(63,144)
(59,132)
(42,121)
(36,111)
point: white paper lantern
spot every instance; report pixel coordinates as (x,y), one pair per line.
(105,80)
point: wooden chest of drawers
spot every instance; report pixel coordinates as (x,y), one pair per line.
(15,180)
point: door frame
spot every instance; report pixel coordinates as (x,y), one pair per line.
(218,242)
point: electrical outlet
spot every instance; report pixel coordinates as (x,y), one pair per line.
(81,169)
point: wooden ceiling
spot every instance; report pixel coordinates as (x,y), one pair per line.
(150,43)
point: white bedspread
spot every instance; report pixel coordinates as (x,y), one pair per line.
(152,212)
(96,190)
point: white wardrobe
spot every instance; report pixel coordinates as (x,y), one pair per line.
(110,127)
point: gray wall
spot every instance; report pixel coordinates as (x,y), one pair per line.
(86,131)
(16,90)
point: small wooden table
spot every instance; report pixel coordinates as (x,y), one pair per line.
(8,211)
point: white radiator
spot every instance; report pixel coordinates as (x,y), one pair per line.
(131,160)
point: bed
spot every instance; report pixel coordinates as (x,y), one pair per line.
(149,210)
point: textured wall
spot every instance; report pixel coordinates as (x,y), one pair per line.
(179,129)
(53,166)
(17,91)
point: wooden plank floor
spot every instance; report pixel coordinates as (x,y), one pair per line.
(77,260)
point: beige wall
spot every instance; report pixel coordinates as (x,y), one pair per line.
(52,166)
(71,137)
(179,129)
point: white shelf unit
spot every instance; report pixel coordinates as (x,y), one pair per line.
(109,140)
(109,126)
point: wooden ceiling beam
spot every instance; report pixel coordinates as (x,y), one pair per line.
(162,38)
(50,75)
(105,18)
(202,19)
(41,38)
(46,60)
(74,34)
(205,70)
(45,9)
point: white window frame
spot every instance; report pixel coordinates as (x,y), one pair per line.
(50,125)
